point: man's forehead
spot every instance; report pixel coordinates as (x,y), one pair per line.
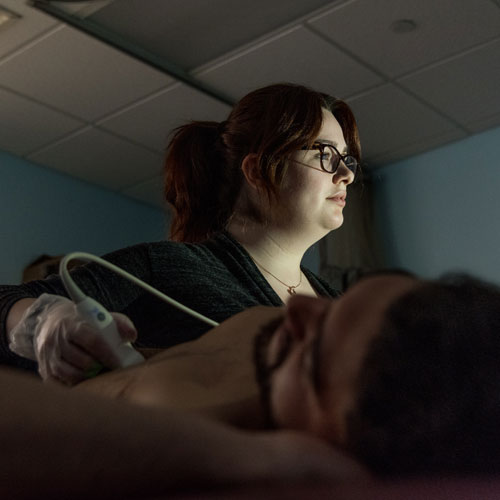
(383,273)
(356,317)
(372,296)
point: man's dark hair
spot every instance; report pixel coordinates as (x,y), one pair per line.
(429,388)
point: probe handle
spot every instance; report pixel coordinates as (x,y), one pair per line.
(95,314)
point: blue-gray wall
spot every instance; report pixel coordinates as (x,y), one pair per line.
(440,211)
(311,258)
(44,212)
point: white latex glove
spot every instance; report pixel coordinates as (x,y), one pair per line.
(66,347)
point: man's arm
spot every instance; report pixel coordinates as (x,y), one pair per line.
(58,443)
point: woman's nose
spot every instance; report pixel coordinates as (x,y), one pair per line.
(343,175)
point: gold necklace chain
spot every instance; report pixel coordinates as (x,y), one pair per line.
(289,288)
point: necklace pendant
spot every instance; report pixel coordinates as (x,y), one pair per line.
(291,290)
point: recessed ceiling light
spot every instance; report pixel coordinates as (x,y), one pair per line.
(7,17)
(404,26)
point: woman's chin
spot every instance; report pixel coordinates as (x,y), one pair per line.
(333,223)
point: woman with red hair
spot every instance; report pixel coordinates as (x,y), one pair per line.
(248,196)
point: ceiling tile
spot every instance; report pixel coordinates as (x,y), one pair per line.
(150,121)
(53,73)
(81,8)
(484,124)
(149,192)
(190,33)
(465,88)
(389,120)
(444,27)
(317,64)
(26,125)
(80,75)
(100,158)
(33,23)
(419,147)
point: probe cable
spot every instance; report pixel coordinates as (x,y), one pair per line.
(77,295)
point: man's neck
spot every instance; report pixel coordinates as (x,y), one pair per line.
(244,413)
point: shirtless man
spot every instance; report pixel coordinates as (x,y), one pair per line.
(219,374)
(401,373)
(66,443)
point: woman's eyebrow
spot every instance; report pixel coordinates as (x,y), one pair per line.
(326,141)
(332,143)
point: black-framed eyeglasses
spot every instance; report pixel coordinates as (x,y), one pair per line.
(330,158)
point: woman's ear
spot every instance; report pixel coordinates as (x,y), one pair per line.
(250,168)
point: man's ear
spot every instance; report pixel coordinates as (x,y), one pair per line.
(250,168)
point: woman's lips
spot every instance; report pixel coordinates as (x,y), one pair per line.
(338,199)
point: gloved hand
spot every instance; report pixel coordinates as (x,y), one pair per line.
(66,347)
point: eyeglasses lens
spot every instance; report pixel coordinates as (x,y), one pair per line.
(352,164)
(331,160)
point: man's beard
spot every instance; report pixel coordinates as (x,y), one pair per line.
(264,369)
